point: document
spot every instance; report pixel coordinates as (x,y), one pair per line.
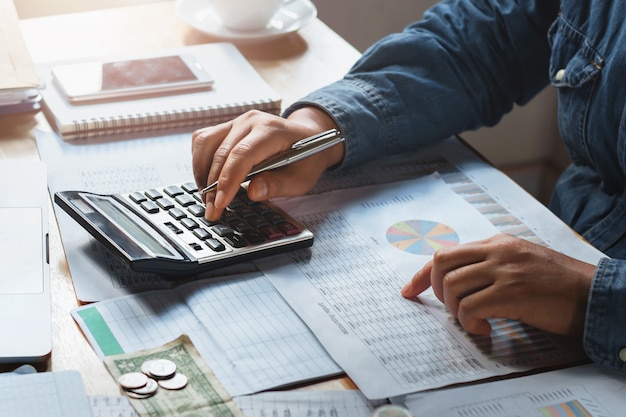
(585,391)
(369,242)
(243,329)
(344,403)
(45,394)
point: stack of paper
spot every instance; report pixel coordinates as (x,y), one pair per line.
(19,82)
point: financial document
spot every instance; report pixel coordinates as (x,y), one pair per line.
(344,403)
(242,328)
(585,391)
(369,242)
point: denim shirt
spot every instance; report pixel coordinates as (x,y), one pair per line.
(465,65)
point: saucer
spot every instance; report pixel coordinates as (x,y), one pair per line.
(293,15)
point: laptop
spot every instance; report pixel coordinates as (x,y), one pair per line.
(25,316)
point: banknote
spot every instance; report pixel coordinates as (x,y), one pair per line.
(202,395)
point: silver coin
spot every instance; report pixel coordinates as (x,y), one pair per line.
(139,396)
(150,388)
(178,381)
(145,367)
(132,380)
(161,368)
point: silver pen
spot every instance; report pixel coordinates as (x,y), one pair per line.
(299,150)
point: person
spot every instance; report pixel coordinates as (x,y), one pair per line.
(463,66)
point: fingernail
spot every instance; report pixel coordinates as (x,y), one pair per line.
(405,290)
(209,209)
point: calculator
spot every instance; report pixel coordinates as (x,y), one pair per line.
(163,230)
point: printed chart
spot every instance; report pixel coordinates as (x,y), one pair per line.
(421,237)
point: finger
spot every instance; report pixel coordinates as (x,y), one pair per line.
(419,283)
(204,142)
(464,281)
(451,258)
(258,144)
(475,309)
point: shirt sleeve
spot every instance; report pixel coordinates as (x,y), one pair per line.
(461,67)
(605,333)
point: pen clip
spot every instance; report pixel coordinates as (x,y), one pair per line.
(312,139)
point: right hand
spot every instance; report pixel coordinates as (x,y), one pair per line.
(227,152)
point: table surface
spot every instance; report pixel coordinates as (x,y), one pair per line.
(293,65)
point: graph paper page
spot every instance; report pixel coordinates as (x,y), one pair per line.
(369,243)
(589,391)
(243,329)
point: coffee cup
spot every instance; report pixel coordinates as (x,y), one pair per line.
(245,15)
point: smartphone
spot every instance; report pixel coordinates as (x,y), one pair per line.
(133,78)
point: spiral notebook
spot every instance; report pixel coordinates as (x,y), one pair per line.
(237,88)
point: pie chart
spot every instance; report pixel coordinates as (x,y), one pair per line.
(421,237)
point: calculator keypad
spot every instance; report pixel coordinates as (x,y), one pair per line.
(178,211)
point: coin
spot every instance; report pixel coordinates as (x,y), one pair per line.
(148,389)
(178,381)
(132,380)
(161,368)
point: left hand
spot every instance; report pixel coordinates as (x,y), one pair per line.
(508,277)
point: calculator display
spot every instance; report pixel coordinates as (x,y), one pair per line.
(131,226)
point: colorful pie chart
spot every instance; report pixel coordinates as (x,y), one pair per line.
(421,237)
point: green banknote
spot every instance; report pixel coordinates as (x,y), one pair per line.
(203,394)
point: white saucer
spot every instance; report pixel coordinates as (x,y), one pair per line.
(293,15)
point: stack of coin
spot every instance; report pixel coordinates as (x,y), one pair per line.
(154,373)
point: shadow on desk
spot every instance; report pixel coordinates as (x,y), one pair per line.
(288,46)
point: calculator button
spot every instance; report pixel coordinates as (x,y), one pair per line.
(189,223)
(229,217)
(262,209)
(246,212)
(190,187)
(222,230)
(288,229)
(235,241)
(185,200)
(253,236)
(173,228)
(235,204)
(173,190)
(274,218)
(215,244)
(196,210)
(137,197)
(150,207)
(258,222)
(209,222)
(270,232)
(240,226)
(153,194)
(201,233)
(165,203)
(177,213)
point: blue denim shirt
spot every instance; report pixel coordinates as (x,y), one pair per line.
(464,65)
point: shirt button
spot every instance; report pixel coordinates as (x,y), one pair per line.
(559,74)
(622,354)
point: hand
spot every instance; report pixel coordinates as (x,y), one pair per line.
(508,277)
(227,152)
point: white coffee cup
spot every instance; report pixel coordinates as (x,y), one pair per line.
(245,15)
